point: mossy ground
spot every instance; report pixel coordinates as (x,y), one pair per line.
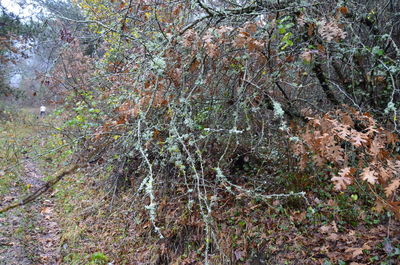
(28,237)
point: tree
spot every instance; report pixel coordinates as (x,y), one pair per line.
(14,36)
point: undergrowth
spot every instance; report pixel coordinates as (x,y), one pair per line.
(226,137)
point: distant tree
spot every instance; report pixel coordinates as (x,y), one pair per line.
(13,35)
(39,39)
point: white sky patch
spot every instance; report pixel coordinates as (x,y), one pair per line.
(23,9)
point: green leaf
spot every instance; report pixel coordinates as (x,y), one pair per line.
(377,51)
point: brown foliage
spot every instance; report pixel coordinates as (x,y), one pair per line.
(357,147)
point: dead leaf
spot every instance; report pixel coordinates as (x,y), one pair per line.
(46,210)
(239,254)
(344,179)
(357,138)
(344,10)
(369,175)
(325,229)
(357,251)
(392,187)
(333,237)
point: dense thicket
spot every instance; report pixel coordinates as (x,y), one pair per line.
(207,99)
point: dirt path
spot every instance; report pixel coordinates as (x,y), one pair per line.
(29,234)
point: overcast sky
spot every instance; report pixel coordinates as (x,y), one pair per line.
(24,13)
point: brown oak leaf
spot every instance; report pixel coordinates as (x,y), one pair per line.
(369,175)
(344,179)
(392,187)
(357,138)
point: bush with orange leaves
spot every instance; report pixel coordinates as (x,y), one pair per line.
(358,148)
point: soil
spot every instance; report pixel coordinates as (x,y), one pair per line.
(29,234)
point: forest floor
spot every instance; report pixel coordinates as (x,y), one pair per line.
(28,234)
(79,222)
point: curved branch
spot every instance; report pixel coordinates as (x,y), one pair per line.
(59,176)
(193,24)
(37,193)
